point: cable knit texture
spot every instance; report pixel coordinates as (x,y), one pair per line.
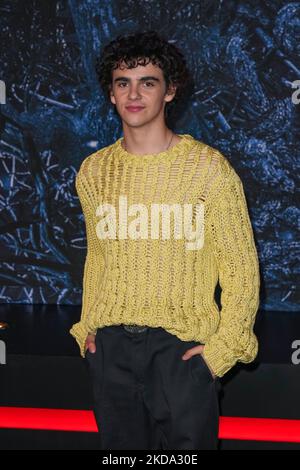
(157,281)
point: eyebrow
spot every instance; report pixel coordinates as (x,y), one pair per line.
(142,79)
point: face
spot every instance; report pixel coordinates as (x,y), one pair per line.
(140,94)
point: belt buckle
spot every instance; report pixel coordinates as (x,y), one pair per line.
(135,328)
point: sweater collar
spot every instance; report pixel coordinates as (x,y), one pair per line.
(165,156)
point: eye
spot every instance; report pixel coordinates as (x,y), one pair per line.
(121,83)
(149,83)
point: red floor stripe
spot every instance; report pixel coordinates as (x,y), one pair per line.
(259,429)
(47,419)
(252,429)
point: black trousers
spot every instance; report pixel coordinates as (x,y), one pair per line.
(147,397)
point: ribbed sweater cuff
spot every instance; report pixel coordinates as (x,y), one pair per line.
(215,359)
(79,331)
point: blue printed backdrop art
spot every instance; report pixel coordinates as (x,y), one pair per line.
(244,55)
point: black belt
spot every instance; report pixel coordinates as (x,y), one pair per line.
(135,328)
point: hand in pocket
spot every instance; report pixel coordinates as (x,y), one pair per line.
(197,350)
(90,344)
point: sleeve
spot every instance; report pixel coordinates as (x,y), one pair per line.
(238,270)
(93,266)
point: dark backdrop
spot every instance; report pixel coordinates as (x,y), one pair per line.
(244,56)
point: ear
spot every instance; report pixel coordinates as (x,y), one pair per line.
(170,93)
(111,95)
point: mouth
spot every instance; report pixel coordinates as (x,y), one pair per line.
(134,109)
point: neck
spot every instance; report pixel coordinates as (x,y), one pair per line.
(142,142)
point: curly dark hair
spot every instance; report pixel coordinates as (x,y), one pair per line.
(141,48)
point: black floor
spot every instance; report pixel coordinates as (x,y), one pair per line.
(43,369)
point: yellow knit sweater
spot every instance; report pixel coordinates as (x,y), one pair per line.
(136,274)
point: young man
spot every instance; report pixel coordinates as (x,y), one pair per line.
(166,218)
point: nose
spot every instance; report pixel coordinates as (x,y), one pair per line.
(133,92)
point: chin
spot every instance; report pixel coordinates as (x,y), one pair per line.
(135,122)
